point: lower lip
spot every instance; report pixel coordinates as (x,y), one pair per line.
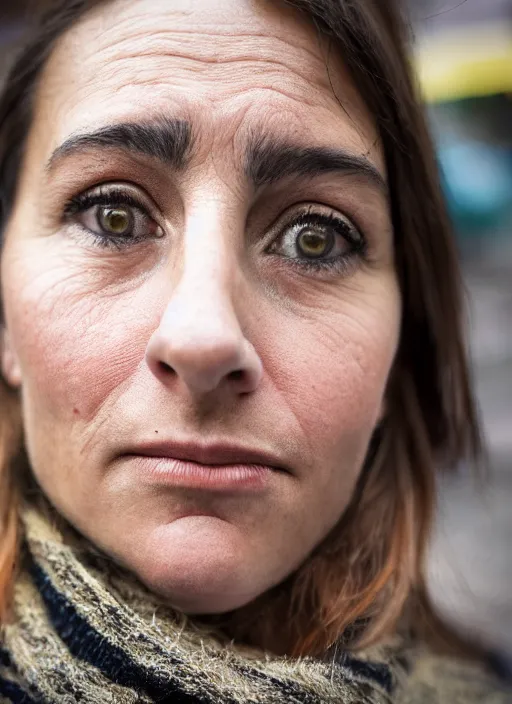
(190,475)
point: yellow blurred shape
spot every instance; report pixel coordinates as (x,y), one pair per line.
(470,62)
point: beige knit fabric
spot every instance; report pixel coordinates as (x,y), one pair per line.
(86,631)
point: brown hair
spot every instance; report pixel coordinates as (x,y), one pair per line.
(367,577)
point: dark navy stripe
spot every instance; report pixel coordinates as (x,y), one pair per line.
(377,673)
(501,665)
(5,658)
(86,644)
(288,688)
(14,693)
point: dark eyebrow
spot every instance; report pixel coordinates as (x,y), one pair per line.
(269,160)
(167,140)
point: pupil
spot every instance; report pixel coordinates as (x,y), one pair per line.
(115,220)
(314,244)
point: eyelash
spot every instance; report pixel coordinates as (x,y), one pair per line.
(117,197)
(113,197)
(343,227)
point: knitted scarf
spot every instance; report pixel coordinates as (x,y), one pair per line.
(86,632)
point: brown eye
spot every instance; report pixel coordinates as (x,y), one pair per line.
(318,240)
(116,221)
(316,236)
(315,242)
(114,216)
(124,223)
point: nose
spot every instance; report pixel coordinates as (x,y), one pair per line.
(200,341)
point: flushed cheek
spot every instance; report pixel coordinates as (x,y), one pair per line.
(335,379)
(337,408)
(76,348)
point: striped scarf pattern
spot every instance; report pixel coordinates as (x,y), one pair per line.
(86,632)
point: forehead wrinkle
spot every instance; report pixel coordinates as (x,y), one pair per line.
(264,22)
(161,38)
(282,37)
(110,73)
(114,45)
(212,62)
(221,87)
(129,69)
(292,83)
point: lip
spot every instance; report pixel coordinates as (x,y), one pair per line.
(218,454)
(190,475)
(214,467)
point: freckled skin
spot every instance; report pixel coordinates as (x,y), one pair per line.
(88,329)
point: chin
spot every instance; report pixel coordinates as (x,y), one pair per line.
(190,596)
(199,572)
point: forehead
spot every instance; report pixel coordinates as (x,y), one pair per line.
(228,66)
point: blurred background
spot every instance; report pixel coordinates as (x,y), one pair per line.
(463,55)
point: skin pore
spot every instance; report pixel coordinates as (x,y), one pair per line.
(200,250)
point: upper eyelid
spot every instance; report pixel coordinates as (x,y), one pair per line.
(321,219)
(123,189)
(359,241)
(287,220)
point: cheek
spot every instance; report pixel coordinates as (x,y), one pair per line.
(75,345)
(334,369)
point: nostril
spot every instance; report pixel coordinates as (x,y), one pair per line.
(237,375)
(165,368)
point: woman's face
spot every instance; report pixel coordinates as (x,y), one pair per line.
(200,255)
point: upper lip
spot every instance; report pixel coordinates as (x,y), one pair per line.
(212,454)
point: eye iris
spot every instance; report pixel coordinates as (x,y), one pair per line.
(314,243)
(117,221)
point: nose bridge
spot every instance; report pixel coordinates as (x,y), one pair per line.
(201,338)
(208,274)
(201,307)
